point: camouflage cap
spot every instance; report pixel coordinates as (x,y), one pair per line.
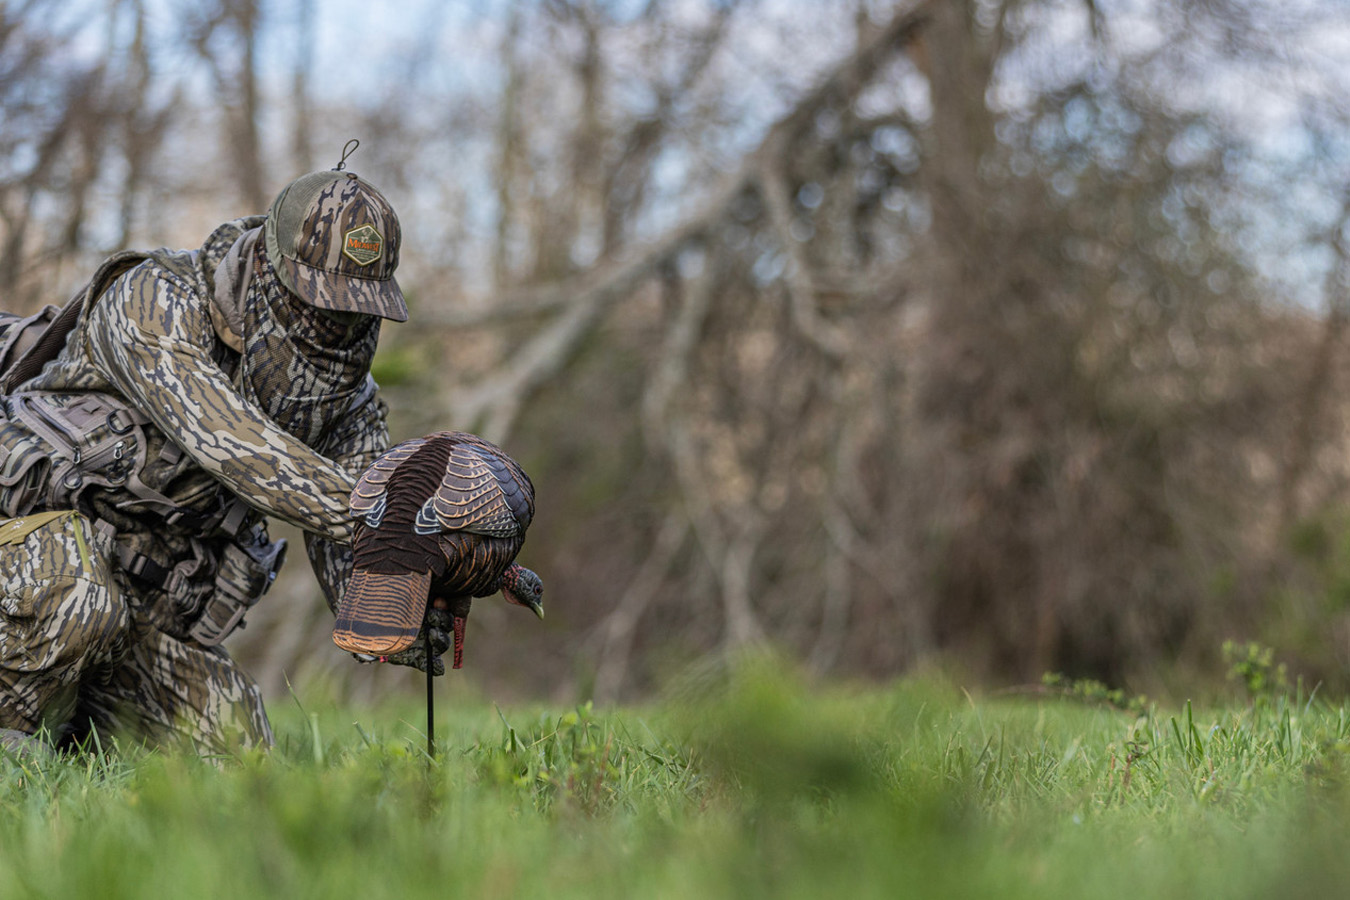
(333,239)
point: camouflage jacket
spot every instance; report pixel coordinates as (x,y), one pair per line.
(155,339)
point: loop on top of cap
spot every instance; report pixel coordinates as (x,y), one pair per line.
(347,150)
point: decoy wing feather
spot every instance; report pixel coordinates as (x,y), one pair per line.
(492,451)
(377,511)
(480,494)
(370,487)
(427,521)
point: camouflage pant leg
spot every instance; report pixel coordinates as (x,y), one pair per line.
(173,692)
(61,620)
(69,650)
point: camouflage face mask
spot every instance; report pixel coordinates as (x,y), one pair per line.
(302,366)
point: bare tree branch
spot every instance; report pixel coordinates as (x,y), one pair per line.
(620,626)
(826,337)
(496,400)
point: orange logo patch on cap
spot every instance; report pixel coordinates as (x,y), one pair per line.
(362,245)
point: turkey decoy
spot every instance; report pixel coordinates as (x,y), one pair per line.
(439,519)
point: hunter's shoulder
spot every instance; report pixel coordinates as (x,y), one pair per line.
(160,294)
(158,269)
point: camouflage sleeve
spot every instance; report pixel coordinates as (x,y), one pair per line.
(355,444)
(332,564)
(360,438)
(153,348)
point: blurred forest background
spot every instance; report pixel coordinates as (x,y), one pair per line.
(1000,335)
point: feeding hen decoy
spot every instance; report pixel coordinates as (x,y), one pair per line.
(439,519)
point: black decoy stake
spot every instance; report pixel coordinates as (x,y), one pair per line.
(431,716)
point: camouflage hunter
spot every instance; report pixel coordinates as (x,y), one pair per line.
(198,394)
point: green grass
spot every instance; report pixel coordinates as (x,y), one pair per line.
(742,785)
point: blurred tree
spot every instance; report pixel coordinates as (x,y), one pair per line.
(76,128)
(975,376)
(225,35)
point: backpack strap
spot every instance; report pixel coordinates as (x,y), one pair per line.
(13,531)
(48,344)
(21,332)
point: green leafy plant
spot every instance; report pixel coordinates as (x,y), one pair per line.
(1253,666)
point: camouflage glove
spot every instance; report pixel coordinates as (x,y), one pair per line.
(436,630)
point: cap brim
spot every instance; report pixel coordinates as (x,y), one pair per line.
(381,614)
(343,293)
